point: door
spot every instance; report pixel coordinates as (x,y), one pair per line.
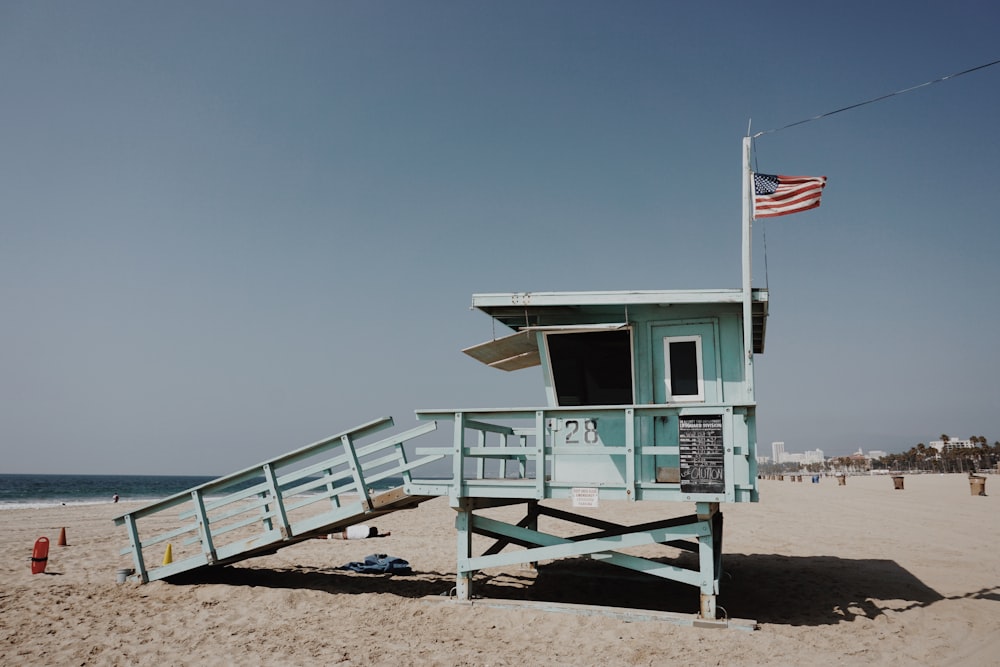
(685,372)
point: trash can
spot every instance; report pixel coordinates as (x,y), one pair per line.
(977,484)
(898,482)
(841,480)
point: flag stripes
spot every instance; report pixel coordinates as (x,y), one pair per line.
(782,195)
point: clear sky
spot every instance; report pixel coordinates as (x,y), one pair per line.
(229,229)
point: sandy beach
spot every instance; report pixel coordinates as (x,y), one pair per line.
(859,574)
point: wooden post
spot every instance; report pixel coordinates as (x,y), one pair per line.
(357,472)
(540,431)
(279,502)
(532,524)
(136,544)
(457,489)
(204,527)
(631,485)
(747,273)
(707,560)
(463,528)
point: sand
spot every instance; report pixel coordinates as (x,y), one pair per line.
(855,575)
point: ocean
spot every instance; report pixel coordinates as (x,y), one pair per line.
(28,491)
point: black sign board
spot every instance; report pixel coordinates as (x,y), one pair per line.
(703,463)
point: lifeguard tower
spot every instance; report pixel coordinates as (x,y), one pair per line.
(650,398)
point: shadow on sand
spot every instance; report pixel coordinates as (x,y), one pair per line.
(769,588)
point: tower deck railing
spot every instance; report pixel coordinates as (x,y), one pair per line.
(696,453)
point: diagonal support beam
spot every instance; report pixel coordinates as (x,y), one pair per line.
(611,529)
(529,521)
(551,547)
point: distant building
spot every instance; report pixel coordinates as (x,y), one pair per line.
(943,446)
(813,456)
(779,455)
(877,454)
(858,457)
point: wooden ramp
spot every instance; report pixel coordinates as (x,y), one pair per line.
(307,493)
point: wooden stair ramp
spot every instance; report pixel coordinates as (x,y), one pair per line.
(312,491)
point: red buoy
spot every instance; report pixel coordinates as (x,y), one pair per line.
(40,555)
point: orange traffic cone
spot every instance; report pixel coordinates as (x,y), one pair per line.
(168,555)
(62,537)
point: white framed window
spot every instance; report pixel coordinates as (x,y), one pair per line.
(682,367)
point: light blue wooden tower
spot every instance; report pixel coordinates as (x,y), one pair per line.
(650,397)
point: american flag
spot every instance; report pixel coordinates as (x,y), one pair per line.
(781,195)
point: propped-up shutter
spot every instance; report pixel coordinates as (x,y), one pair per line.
(510,353)
(520,350)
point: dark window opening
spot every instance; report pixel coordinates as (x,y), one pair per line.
(591,368)
(684,368)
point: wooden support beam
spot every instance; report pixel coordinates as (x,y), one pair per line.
(463,529)
(133,539)
(542,546)
(207,546)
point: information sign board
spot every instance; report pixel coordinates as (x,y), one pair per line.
(702,455)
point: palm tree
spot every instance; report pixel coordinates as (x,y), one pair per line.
(983,454)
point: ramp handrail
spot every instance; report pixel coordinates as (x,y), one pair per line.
(281,501)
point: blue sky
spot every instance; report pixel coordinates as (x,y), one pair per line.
(229,229)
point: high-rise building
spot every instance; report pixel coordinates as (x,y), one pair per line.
(777,451)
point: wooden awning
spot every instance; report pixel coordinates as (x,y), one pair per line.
(520,350)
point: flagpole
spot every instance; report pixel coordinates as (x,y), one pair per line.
(747,275)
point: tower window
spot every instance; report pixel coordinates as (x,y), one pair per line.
(591,368)
(684,376)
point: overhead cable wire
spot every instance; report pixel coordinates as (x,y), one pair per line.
(878,99)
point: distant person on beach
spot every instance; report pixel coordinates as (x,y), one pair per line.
(357,532)
(114,498)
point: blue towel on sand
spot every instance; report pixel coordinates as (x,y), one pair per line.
(379,564)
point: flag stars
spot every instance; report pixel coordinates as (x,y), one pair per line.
(765,184)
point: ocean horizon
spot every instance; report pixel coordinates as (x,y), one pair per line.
(27,491)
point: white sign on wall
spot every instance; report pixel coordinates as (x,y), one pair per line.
(584,497)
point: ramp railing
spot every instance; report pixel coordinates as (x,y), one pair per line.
(317,489)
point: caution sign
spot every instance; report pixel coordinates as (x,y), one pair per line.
(702,454)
